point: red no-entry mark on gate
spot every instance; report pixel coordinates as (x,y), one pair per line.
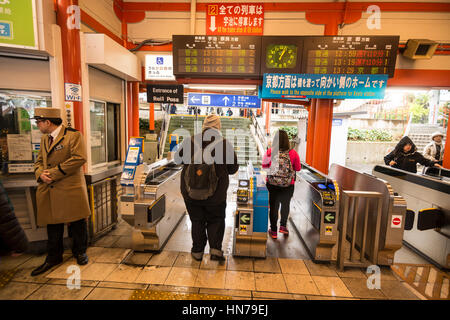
(396,221)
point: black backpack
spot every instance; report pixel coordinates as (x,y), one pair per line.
(200,179)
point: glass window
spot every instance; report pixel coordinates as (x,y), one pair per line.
(16,109)
(105,128)
(98,136)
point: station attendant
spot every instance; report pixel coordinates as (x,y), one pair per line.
(61,193)
(406,157)
(280,180)
(435,149)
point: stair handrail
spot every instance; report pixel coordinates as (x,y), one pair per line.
(162,142)
(408,126)
(259,132)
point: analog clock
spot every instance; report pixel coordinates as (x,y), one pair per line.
(281,56)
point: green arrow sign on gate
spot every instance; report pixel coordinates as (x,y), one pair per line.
(245,218)
(329,217)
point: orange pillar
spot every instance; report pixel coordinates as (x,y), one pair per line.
(322,134)
(310,132)
(135,113)
(151,119)
(68,18)
(446,162)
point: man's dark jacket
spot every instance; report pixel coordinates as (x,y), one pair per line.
(222,172)
(12,236)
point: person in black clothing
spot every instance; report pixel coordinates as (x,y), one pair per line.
(12,237)
(173,109)
(406,157)
(207,215)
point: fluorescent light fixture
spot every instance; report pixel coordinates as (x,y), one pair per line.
(230,87)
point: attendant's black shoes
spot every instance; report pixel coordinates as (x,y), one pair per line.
(82,259)
(43,268)
(217,258)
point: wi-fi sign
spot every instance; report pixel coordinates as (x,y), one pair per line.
(74,90)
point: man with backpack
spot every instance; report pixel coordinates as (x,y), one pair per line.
(282,163)
(208,159)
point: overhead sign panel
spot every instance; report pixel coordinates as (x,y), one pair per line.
(350,55)
(223,100)
(217,56)
(234,19)
(165,93)
(252,56)
(327,86)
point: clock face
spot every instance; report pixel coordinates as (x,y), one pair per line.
(281,56)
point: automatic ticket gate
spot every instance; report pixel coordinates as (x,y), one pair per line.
(251,217)
(375,217)
(314,213)
(428,195)
(152,203)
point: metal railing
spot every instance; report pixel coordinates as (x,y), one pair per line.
(163,134)
(259,132)
(350,205)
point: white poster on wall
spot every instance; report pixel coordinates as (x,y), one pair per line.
(19,147)
(159,67)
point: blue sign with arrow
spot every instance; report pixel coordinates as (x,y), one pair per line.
(223,100)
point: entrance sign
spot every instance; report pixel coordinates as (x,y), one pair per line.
(18,27)
(223,100)
(327,86)
(165,93)
(234,19)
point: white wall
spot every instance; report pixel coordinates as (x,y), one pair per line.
(338,144)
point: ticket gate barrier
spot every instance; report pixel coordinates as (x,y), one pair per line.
(251,216)
(374,217)
(428,195)
(314,213)
(153,205)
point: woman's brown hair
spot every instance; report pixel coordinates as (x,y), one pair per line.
(283,140)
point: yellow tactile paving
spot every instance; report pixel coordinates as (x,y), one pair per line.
(6,276)
(163,295)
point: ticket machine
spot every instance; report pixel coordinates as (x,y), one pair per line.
(251,216)
(151,201)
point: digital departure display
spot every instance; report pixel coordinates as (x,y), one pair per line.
(350,55)
(217,55)
(252,56)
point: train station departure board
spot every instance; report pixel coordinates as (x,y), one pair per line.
(350,55)
(252,56)
(217,56)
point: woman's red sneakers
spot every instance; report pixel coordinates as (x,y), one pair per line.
(273,234)
(284,230)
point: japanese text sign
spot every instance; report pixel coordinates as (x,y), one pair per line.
(234,19)
(326,86)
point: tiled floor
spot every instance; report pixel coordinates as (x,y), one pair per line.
(108,276)
(114,272)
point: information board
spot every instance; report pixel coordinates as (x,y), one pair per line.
(217,56)
(350,55)
(252,56)
(223,100)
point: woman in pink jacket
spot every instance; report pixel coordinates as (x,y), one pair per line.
(281,166)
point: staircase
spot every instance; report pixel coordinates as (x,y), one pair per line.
(235,129)
(420,134)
